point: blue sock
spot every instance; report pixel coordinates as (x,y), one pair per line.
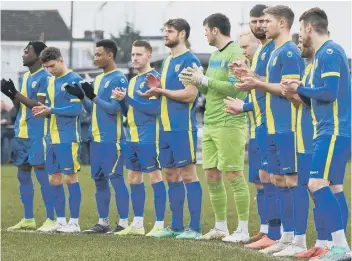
(26,192)
(59,200)
(194,198)
(261,206)
(47,192)
(138,199)
(74,199)
(322,234)
(102,197)
(329,205)
(121,195)
(272,211)
(159,200)
(177,200)
(344,208)
(286,209)
(300,199)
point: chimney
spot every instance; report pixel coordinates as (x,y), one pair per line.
(88,35)
(99,35)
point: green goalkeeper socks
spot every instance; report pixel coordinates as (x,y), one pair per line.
(218,198)
(241,194)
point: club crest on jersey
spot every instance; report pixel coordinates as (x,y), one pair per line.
(275,60)
(107,84)
(34,84)
(63,86)
(177,67)
(141,86)
(329,51)
(222,63)
(289,54)
(263,56)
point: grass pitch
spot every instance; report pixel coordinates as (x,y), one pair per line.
(34,246)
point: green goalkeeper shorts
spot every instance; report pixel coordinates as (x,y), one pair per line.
(224,148)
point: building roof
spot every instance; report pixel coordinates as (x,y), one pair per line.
(27,25)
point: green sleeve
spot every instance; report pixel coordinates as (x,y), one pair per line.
(227,87)
(202,89)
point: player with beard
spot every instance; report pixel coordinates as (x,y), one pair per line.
(222,130)
(29,142)
(268,208)
(285,62)
(330,97)
(178,131)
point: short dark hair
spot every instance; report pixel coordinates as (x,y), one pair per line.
(50,54)
(180,25)
(257,10)
(219,21)
(317,18)
(295,38)
(37,46)
(109,46)
(145,44)
(281,11)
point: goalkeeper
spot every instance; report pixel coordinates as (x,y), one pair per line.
(224,135)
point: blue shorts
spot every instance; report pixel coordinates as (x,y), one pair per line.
(29,151)
(254,162)
(282,156)
(330,156)
(63,158)
(106,160)
(304,163)
(177,148)
(261,136)
(141,157)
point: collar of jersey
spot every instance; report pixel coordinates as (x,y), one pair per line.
(110,72)
(180,54)
(65,74)
(322,45)
(266,43)
(149,70)
(32,74)
(282,45)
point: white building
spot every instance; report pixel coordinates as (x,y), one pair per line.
(20,27)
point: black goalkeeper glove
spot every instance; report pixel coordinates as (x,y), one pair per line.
(75,90)
(8,88)
(88,90)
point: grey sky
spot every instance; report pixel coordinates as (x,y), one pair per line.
(148,17)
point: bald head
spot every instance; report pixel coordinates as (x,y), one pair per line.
(248,44)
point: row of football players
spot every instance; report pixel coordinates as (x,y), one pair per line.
(171,100)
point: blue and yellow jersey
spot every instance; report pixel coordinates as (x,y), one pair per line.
(285,63)
(62,129)
(31,86)
(107,127)
(141,127)
(332,118)
(304,133)
(259,64)
(175,115)
(251,119)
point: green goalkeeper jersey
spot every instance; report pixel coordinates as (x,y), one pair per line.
(220,85)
